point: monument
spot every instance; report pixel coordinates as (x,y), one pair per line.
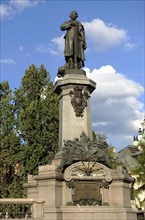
(79,183)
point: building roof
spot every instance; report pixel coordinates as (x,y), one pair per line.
(128,156)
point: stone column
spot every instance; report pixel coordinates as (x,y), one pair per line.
(119,189)
(120,194)
(32,187)
(46,186)
(74,90)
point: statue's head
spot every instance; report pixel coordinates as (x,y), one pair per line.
(73,15)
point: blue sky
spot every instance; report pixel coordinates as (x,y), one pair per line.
(30,33)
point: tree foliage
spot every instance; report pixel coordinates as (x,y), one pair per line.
(139,172)
(29,129)
(10,143)
(37,119)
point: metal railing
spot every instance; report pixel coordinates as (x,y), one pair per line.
(23,208)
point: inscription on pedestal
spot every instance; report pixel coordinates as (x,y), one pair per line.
(86,193)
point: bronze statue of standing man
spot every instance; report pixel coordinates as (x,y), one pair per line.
(75,42)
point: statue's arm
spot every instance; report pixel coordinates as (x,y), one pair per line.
(66,25)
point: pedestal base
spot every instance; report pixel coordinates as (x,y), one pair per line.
(52,186)
(97,213)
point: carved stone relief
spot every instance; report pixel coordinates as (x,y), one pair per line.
(85,149)
(79,97)
(89,183)
(87,171)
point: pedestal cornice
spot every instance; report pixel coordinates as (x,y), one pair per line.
(74,80)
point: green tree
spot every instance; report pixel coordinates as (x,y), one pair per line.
(139,172)
(141,159)
(37,119)
(9,145)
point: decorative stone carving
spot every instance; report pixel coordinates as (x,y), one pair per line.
(84,149)
(88,187)
(87,171)
(79,97)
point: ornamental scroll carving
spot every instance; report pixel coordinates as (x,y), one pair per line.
(79,97)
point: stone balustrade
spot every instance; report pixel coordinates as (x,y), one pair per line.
(23,208)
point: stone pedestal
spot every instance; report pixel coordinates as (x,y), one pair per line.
(57,189)
(74,90)
(75,185)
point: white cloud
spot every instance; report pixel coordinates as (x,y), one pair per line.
(104,36)
(22,4)
(42,48)
(56,46)
(117,84)
(129,46)
(10,9)
(6,11)
(7,61)
(116,109)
